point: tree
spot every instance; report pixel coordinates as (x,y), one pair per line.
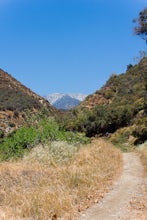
(141,28)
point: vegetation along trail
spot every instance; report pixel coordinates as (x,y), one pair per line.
(126,199)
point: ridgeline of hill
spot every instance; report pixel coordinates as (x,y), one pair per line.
(120,104)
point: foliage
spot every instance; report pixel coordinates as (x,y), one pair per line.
(131,136)
(141,29)
(140,130)
(129,66)
(1,134)
(26,137)
(104,119)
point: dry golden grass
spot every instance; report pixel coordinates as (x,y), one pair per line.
(35,190)
(140,205)
(143,153)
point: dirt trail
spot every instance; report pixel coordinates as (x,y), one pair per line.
(125,200)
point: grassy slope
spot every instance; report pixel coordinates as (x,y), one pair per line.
(41,186)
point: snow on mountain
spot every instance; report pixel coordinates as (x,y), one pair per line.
(78,96)
(52,98)
(65,101)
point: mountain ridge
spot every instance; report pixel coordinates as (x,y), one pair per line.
(66,102)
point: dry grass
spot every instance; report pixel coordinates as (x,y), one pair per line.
(143,153)
(140,204)
(32,189)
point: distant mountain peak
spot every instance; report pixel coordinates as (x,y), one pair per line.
(65,101)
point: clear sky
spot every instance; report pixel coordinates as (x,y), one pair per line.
(67,46)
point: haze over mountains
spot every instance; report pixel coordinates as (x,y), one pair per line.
(65,101)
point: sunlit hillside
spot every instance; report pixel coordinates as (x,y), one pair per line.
(120,103)
(17,102)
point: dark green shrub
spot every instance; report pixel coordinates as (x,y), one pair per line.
(1,134)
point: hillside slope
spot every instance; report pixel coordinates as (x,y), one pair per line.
(15,101)
(122,102)
(123,88)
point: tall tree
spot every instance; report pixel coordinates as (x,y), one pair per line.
(141,28)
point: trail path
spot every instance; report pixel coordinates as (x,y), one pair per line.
(125,201)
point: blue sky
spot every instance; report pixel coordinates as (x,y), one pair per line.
(67,46)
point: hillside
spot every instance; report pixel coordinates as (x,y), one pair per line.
(121,102)
(124,88)
(15,101)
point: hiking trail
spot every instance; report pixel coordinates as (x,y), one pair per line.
(125,200)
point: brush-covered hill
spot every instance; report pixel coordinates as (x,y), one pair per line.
(121,102)
(16,100)
(123,89)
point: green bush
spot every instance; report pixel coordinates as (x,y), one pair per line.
(25,138)
(17,142)
(1,133)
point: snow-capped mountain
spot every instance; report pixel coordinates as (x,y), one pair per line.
(65,101)
(78,96)
(52,98)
